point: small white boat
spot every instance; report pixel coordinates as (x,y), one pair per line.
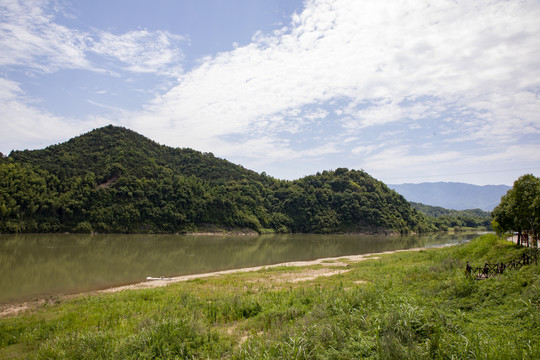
(157,278)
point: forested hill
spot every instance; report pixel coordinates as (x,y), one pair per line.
(112,151)
(115,180)
(445,219)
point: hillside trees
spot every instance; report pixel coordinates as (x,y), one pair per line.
(115,180)
(347,200)
(445,219)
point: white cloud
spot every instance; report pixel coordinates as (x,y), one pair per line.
(403,163)
(26,127)
(260,152)
(142,50)
(406,60)
(366,149)
(466,72)
(33,43)
(399,157)
(512,155)
(30,37)
(491,165)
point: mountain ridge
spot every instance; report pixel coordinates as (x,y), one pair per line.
(113,179)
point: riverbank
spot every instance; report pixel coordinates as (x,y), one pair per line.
(36,265)
(406,304)
(21,307)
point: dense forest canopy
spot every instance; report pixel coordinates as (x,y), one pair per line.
(115,180)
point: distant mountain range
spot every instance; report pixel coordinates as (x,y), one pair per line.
(453,195)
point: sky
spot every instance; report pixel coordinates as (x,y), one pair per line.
(408,91)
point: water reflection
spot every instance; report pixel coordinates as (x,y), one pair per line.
(43,264)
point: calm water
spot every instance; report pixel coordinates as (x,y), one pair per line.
(34,265)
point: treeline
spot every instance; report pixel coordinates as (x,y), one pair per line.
(115,180)
(447,219)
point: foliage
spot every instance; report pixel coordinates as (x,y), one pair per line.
(445,219)
(519,208)
(408,305)
(115,180)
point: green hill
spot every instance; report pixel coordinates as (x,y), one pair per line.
(115,180)
(445,219)
(112,151)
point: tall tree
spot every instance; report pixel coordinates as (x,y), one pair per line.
(519,208)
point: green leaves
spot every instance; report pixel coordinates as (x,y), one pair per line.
(115,180)
(519,209)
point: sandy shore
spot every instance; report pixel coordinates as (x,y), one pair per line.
(15,309)
(325,261)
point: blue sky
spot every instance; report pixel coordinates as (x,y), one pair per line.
(409,91)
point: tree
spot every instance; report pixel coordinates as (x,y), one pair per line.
(519,207)
(115,180)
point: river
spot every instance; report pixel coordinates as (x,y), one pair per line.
(37,265)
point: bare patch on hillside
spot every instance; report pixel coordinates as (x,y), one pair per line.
(110,182)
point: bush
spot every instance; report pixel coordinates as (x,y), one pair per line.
(83,228)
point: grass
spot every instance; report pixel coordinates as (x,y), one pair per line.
(408,305)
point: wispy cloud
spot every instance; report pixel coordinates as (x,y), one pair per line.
(400,84)
(32,42)
(24,126)
(30,37)
(142,50)
(395,156)
(388,62)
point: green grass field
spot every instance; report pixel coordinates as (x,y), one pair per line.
(407,305)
